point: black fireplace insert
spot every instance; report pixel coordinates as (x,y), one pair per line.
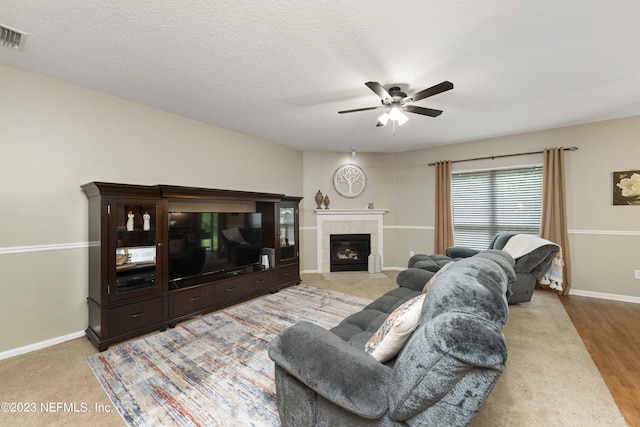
(349,252)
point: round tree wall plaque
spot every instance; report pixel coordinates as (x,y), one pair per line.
(349,181)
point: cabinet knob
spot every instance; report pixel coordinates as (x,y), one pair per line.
(159,243)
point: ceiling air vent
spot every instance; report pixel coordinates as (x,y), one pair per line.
(12,38)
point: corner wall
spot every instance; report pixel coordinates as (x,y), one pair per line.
(318,169)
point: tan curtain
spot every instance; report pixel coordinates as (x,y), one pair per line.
(554,211)
(444,208)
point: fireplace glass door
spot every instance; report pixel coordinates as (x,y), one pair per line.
(349,252)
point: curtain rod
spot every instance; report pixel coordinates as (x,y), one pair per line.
(503,155)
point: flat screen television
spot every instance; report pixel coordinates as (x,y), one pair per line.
(209,243)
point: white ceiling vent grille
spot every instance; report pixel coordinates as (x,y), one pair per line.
(12,38)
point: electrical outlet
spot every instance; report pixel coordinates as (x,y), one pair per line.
(412,253)
(637,274)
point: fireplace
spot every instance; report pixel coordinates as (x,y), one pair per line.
(349,252)
(347,221)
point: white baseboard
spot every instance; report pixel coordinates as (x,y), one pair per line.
(603,295)
(40,345)
(385,268)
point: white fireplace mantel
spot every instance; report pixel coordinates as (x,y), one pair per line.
(337,212)
(347,221)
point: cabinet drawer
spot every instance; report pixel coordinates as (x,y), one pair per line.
(190,300)
(260,282)
(131,317)
(288,274)
(232,289)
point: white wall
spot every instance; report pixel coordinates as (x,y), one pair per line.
(55,137)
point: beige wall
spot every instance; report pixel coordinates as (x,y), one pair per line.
(55,137)
(603,237)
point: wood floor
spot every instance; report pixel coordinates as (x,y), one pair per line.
(611,333)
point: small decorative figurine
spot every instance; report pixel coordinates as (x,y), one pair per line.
(123,258)
(318,199)
(146,221)
(130,221)
(326,202)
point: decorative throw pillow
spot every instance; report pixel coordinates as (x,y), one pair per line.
(395,331)
(435,276)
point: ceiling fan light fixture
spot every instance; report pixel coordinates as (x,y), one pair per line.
(402,119)
(384,119)
(397,102)
(395,113)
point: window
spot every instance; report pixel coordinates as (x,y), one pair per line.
(487,202)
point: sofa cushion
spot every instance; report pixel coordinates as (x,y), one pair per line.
(501,239)
(434,258)
(435,276)
(414,278)
(461,252)
(394,332)
(355,323)
(359,327)
(339,372)
(537,261)
(392,299)
(437,359)
(432,263)
(476,285)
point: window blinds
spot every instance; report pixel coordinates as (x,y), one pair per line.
(490,201)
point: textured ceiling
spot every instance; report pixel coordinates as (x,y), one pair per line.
(282,70)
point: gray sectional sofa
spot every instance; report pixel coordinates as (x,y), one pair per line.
(441,375)
(529,267)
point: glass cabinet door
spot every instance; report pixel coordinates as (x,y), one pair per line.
(288,246)
(135,241)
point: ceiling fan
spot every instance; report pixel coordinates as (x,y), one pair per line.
(397,102)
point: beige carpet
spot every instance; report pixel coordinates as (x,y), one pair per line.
(550,378)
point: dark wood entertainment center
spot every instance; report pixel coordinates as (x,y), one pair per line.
(130,291)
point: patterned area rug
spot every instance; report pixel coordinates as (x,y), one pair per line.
(213,371)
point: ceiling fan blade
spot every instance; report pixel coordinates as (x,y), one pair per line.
(433,90)
(360,109)
(421,110)
(378,89)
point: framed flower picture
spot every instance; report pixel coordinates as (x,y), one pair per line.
(626,188)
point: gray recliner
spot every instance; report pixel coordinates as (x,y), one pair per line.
(529,268)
